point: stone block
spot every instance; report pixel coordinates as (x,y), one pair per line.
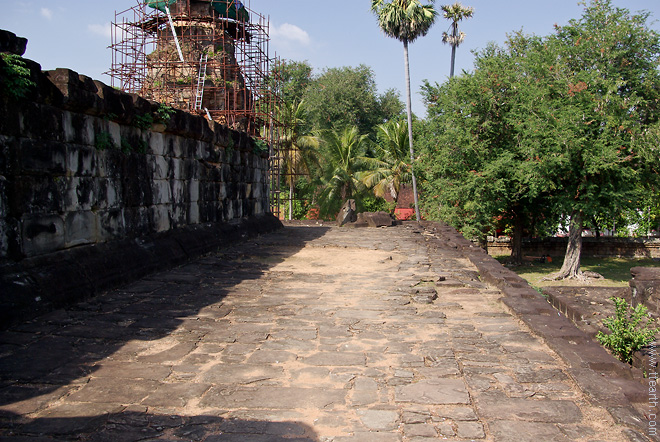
(162,192)
(110,225)
(176,147)
(274,398)
(193,190)
(160,215)
(81,160)
(347,213)
(45,157)
(80,193)
(178,215)
(496,405)
(379,420)
(230,190)
(434,392)
(42,122)
(78,128)
(241,188)
(158,167)
(193,213)
(108,193)
(80,228)
(10,42)
(42,233)
(115,132)
(79,92)
(136,188)
(157,143)
(178,190)
(177,169)
(192,169)
(520,431)
(136,221)
(238,208)
(375,219)
(36,194)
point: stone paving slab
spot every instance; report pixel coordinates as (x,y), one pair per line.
(315,334)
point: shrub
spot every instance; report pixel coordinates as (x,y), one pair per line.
(103,141)
(631,330)
(15,76)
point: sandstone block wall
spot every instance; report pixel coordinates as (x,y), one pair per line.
(99,188)
(82,163)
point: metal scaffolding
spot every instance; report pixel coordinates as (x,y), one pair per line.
(209,57)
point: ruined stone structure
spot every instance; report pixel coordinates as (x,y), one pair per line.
(98,187)
(209,57)
(197,55)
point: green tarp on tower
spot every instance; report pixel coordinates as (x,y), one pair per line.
(231,9)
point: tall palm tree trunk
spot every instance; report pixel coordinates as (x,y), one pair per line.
(410,130)
(454,34)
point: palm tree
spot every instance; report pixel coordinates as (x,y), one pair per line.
(343,160)
(406,20)
(390,169)
(455,13)
(299,150)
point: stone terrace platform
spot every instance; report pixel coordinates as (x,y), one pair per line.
(318,334)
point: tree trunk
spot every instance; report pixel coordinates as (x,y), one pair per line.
(571,267)
(291,200)
(454,34)
(596,226)
(410,130)
(516,241)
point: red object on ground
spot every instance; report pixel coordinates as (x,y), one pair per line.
(404,214)
(313,213)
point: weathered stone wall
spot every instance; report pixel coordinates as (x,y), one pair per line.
(591,247)
(86,169)
(99,188)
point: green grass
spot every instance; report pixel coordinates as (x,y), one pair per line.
(616,271)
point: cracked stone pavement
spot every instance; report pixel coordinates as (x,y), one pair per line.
(307,334)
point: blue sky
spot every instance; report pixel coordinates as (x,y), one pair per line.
(75,34)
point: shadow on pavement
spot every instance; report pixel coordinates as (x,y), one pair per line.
(129,426)
(50,357)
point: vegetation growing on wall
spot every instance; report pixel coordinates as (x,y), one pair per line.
(15,81)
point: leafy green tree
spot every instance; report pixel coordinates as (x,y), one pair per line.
(475,168)
(455,13)
(299,150)
(292,79)
(343,159)
(406,20)
(606,84)
(557,125)
(391,168)
(348,96)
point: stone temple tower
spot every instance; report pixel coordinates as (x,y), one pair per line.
(203,56)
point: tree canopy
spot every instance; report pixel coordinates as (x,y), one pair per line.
(548,126)
(348,96)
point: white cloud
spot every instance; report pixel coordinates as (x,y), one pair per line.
(47,13)
(288,38)
(103,30)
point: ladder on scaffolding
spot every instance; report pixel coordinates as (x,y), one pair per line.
(201,80)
